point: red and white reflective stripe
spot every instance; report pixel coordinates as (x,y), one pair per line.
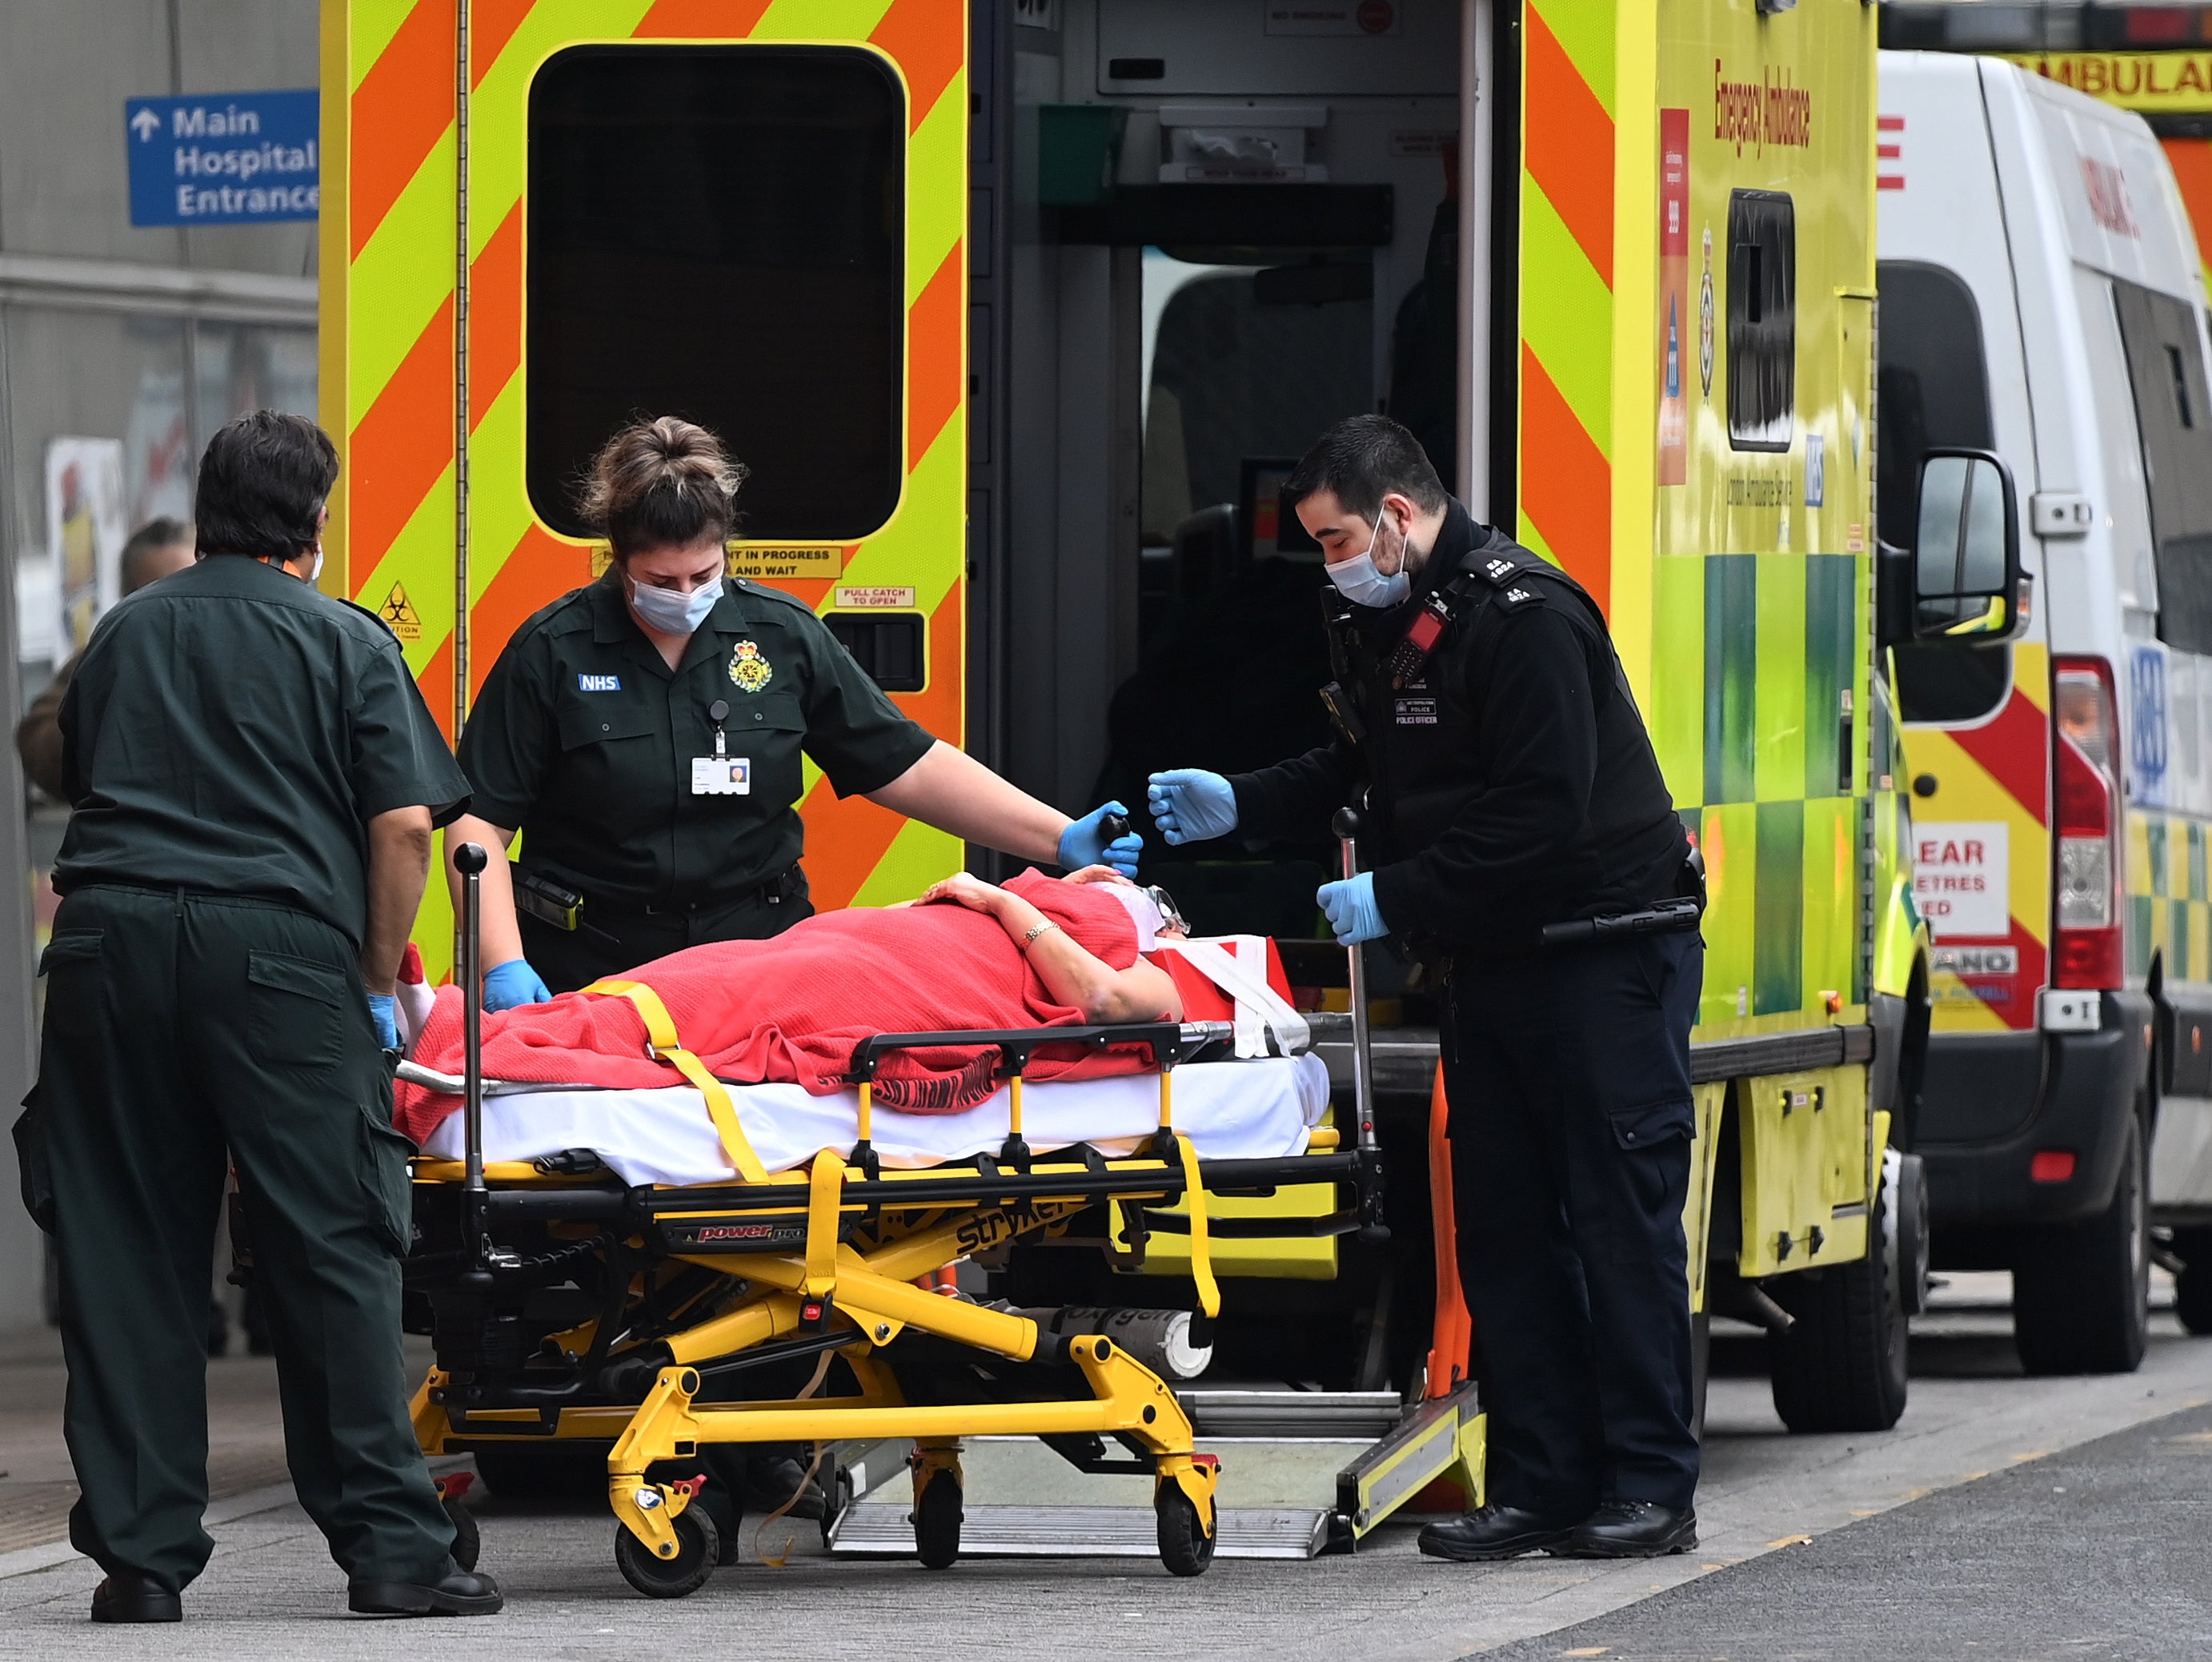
(1889,148)
(2085,949)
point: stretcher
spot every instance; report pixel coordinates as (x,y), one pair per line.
(779,1304)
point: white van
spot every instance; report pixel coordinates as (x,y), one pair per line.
(2041,301)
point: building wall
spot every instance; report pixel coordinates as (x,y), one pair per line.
(150,338)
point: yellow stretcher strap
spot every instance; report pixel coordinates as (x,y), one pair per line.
(1201,1255)
(661,1041)
(825,1194)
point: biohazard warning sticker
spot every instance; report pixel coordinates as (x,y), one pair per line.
(399,612)
(1960,879)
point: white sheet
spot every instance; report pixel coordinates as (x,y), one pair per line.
(1238,1110)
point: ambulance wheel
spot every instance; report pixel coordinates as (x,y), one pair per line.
(698,1549)
(1840,1366)
(2080,1292)
(468,1539)
(937,1515)
(1185,1547)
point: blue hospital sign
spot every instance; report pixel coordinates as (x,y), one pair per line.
(223,158)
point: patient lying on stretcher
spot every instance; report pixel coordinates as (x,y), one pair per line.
(967,955)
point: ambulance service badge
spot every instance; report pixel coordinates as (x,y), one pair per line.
(749,669)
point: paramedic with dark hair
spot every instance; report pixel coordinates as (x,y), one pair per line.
(644,734)
(1511,786)
(255,782)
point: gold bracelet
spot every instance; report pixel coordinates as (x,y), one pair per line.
(1029,939)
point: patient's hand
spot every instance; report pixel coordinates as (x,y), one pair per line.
(966,890)
(1099,874)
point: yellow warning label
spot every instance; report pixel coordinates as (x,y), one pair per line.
(744,561)
(399,612)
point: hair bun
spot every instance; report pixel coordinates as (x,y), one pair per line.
(660,482)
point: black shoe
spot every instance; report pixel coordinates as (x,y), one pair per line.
(1632,1529)
(128,1596)
(778,1484)
(1493,1532)
(463,1593)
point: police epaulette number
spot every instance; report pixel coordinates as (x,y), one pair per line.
(1520,595)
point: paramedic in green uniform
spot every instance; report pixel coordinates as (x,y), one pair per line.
(644,734)
(255,782)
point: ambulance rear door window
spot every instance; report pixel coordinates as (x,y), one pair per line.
(717,232)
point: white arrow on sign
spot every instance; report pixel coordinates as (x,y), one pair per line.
(145,124)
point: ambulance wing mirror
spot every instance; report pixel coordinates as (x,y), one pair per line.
(1967,580)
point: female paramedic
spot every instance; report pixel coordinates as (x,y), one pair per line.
(644,734)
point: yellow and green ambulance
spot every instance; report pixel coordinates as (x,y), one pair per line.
(1018,311)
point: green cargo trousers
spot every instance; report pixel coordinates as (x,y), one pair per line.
(177,1025)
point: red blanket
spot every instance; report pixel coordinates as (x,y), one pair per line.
(790,1010)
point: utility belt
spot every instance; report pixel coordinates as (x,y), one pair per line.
(562,907)
(1677,914)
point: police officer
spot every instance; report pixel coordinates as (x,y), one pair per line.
(256,781)
(644,734)
(1514,796)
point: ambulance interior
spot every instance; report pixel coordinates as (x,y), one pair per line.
(1231,225)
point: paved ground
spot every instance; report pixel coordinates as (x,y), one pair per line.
(1976,1440)
(2099,1552)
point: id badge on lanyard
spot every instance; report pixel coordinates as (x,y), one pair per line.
(721,774)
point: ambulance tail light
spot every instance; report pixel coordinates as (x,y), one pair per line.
(2086,768)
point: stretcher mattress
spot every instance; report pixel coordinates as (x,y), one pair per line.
(1232,1110)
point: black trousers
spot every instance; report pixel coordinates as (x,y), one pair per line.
(1570,1124)
(568,959)
(177,1026)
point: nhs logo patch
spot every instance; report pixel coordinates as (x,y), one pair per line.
(592,683)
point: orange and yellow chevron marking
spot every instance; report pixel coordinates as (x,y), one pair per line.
(388,384)
(1997,772)
(1565,489)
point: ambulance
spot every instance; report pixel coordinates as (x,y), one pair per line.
(2042,302)
(1019,310)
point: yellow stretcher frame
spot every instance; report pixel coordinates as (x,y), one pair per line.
(868,1235)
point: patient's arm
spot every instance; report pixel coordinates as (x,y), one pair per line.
(1071,974)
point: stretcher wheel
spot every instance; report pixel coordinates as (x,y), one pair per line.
(936,1522)
(1185,1548)
(468,1539)
(698,1549)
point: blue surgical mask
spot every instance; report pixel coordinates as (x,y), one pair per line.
(1359,582)
(672,613)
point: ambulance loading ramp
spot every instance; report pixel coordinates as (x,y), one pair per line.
(1302,1472)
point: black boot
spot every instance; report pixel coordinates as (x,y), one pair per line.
(462,1592)
(1492,1533)
(126,1595)
(1632,1529)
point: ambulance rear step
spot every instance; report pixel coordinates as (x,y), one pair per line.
(1319,1471)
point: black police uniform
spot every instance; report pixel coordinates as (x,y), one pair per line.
(1513,785)
(584,739)
(228,735)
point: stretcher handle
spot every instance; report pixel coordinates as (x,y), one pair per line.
(1346,825)
(1167,1042)
(470,860)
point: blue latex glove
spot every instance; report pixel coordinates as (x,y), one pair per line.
(1353,913)
(513,983)
(1190,805)
(384,1011)
(1084,843)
